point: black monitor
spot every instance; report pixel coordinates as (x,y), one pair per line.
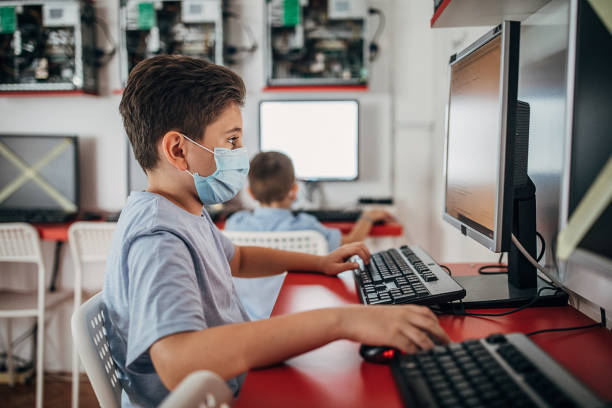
(320,136)
(39,174)
(588,269)
(488,194)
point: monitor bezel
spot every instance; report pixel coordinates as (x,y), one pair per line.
(77,181)
(501,240)
(357,151)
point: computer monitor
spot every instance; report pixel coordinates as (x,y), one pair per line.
(488,194)
(39,174)
(320,136)
(588,270)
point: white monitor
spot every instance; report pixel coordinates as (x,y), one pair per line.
(320,136)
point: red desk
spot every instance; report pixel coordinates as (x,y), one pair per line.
(391,229)
(59,232)
(53,232)
(336,376)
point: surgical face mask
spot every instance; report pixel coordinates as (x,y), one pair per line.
(227,180)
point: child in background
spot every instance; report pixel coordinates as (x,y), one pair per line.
(272,183)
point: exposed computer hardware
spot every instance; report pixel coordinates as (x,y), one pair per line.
(322,42)
(188,27)
(48,46)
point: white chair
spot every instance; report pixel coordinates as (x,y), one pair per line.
(89,245)
(200,389)
(19,243)
(308,241)
(258,295)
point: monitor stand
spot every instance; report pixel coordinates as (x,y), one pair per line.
(313,193)
(522,282)
(491,291)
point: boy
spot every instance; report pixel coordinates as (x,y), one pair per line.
(171,305)
(272,183)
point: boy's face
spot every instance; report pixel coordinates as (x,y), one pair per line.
(225,132)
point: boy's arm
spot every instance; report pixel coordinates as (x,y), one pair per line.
(232,349)
(364,224)
(251,262)
(359,232)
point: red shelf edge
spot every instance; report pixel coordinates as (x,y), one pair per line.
(316,88)
(438,12)
(46,93)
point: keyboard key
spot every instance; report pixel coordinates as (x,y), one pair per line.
(380,301)
(403,298)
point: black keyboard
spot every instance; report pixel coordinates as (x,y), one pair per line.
(404,275)
(499,371)
(332,215)
(36,216)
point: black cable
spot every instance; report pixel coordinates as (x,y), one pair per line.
(103,57)
(562,329)
(543,246)
(503,269)
(447,269)
(382,21)
(462,312)
(499,269)
(24,336)
(237,49)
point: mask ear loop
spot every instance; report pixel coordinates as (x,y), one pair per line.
(197,144)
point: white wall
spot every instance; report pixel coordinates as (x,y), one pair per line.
(420,65)
(402,129)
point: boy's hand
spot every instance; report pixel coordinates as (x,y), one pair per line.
(335,262)
(409,328)
(377,215)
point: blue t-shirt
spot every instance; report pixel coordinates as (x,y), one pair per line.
(167,272)
(281,219)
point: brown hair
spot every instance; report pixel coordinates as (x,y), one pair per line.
(174,92)
(271,176)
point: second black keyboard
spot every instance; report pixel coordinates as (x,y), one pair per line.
(499,371)
(404,275)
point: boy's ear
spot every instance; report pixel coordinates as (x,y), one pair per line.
(251,193)
(293,192)
(173,149)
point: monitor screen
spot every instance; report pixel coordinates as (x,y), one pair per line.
(39,173)
(320,137)
(473,138)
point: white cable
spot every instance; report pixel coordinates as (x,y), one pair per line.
(527,255)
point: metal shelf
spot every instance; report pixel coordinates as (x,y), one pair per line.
(469,13)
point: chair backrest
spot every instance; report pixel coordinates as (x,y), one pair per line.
(19,242)
(89,337)
(90,241)
(308,241)
(200,389)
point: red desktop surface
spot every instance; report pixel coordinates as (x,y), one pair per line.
(336,376)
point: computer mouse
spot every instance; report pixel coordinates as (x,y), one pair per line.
(378,354)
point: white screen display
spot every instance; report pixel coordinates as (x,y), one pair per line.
(320,137)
